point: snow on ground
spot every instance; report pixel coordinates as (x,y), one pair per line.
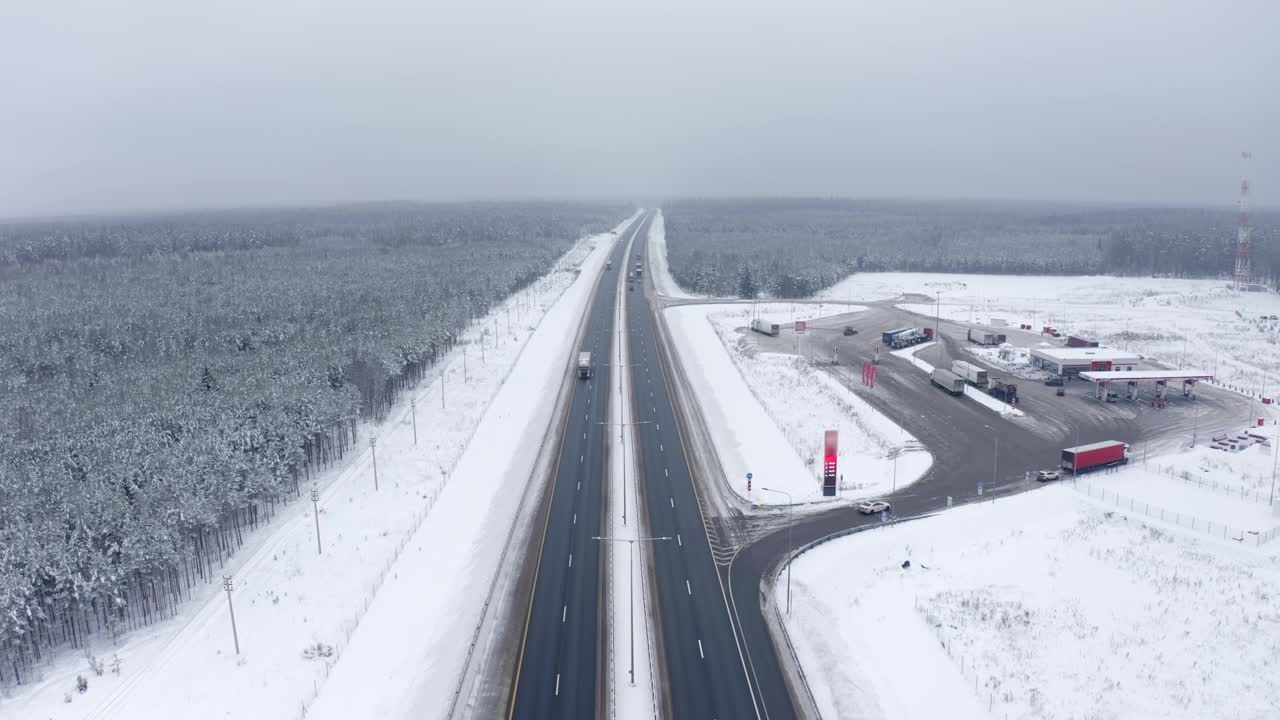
(629,701)
(1200,324)
(767,412)
(297,610)
(1044,605)
(971,392)
(662,280)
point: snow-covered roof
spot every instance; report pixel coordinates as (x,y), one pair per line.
(1112,375)
(1068,354)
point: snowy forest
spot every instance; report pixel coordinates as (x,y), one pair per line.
(794,248)
(168,381)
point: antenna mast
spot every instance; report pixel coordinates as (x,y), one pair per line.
(1244,270)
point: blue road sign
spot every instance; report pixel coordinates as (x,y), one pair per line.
(884,515)
(748,476)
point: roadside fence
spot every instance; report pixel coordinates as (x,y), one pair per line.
(1254,538)
(1257,494)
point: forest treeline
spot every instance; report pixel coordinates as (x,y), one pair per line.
(796,247)
(167,381)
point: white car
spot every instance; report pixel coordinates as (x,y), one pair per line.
(1047,475)
(874,506)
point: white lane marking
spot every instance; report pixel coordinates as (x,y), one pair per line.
(580,458)
(688,588)
(661,448)
(704,657)
(558,684)
(664,472)
(579,484)
(659,427)
(655,411)
(564,613)
(575,518)
(673,502)
(570,559)
(584,436)
(679,541)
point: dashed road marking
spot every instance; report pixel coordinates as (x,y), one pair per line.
(575,518)
(679,541)
(673,502)
(665,473)
(688,588)
(558,684)
(564,613)
(704,657)
(570,559)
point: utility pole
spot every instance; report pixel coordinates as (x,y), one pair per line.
(937,324)
(790,545)
(632,564)
(373,449)
(226,585)
(413,407)
(315,506)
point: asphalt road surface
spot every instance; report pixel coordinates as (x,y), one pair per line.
(703,672)
(557,673)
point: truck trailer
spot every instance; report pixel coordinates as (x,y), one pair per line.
(887,337)
(765,328)
(1084,458)
(948,381)
(584,365)
(913,336)
(982,337)
(970,372)
(1004,390)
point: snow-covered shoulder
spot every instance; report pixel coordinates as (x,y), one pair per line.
(663,282)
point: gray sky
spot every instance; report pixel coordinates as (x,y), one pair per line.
(157,104)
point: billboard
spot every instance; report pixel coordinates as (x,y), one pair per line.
(831,447)
(801,326)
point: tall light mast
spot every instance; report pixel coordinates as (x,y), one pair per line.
(1244,270)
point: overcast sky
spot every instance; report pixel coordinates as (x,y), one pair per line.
(159,104)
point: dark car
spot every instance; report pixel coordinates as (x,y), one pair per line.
(1055,381)
(1061,392)
(849,331)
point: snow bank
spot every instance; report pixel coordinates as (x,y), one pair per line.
(767,413)
(662,280)
(296,609)
(971,392)
(1029,607)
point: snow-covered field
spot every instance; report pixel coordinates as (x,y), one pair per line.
(364,609)
(767,412)
(1050,604)
(1198,324)
(662,280)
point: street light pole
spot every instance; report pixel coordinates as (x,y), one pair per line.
(226,585)
(622,439)
(373,450)
(632,590)
(937,324)
(413,408)
(790,545)
(995,456)
(315,506)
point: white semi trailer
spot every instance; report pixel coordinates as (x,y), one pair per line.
(975,375)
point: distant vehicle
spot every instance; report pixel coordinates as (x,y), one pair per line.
(1084,458)
(849,331)
(872,507)
(765,328)
(1061,392)
(1047,475)
(975,375)
(608,264)
(1112,397)
(948,381)
(639,272)
(1055,381)
(584,365)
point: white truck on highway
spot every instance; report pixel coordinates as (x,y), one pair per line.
(584,365)
(970,372)
(765,327)
(948,381)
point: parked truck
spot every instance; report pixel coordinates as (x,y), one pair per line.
(584,365)
(948,381)
(913,336)
(975,375)
(765,327)
(982,337)
(1084,458)
(1004,390)
(887,337)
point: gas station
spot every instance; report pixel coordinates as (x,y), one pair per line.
(1103,379)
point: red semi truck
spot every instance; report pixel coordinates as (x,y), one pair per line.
(1095,455)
